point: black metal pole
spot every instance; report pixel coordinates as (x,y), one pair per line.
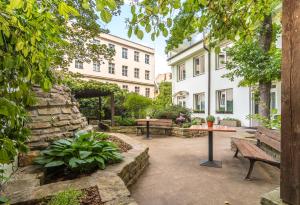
(148,134)
(210,146)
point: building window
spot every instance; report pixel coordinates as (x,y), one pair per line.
(78,64)
(136,56)
(147,74)
(111,46)
(125,87)
(199,65)
(136,73)
(224,100)
(124,70)
(111,68)
(199,102)
(181,101)
(147,92)
(137,89)
(222,58)
(96,66)
(273,100)
(147,59)
(181,72)
(124,53)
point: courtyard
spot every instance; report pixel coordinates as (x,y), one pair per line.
(175,177)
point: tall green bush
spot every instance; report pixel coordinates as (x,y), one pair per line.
(136,105)
(171,112)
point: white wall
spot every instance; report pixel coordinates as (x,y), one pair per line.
(199,84)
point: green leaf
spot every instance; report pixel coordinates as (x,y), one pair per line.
(4,158)
(106,16)
(84,154)
(169,22)
(140,34)
(54,163)
(148,28)
(16,4)
(129,32)
(165,32)
(4,199)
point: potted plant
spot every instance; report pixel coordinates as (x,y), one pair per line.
(210,119)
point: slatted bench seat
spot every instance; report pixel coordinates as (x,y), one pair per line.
(165,124)
(255,153)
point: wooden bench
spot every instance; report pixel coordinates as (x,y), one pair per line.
(165,124)
(255,153)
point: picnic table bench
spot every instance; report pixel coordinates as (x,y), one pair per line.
(254,153)
(165,124)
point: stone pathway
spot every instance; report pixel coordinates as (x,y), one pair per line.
(174,176)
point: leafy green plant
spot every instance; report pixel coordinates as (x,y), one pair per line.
(210,118)
(186,125)
(85,152)
(171,112)
(124,121)
(231,119)
(273,123)
(198,121)
(67,197)
(136,105)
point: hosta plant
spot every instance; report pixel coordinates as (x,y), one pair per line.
(84,153)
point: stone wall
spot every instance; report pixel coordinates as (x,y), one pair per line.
(54,116)
(175,131)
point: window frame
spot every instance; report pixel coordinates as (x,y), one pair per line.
(136,73)
(111,68)
(179,73)
(125,70)
(203,64)
(181,100)
(147,92)
(112,46)
(136,56)
(147,75)
(96,66)
(78,64)
(225,101)
(196,99)
(125,53)
(137,89)
(147,59)
(125,87)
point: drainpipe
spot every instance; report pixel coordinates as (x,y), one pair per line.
(209,76)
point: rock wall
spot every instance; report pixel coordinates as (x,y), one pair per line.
(55,115)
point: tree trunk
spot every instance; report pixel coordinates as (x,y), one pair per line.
(264,99)
(265,39)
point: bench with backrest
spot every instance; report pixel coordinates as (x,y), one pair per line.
(164,124)
(255,153)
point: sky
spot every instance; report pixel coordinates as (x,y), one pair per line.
(118,27)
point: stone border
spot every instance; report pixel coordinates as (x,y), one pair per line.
(175,131)
(24,187)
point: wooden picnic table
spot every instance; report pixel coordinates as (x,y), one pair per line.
(216,128)
(147,125)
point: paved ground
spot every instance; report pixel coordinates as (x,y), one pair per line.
(174,176)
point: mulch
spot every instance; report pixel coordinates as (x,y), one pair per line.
(123,146)
(91,196)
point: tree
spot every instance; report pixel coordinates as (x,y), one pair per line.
(164,98)
(35,38)
(224,19)
(136,104)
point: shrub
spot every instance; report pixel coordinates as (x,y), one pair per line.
(67,197)
(198,121)
(186,125)
(210,118)
(85,152)
(231,119)
(136,105)
(171,112)
(124,121)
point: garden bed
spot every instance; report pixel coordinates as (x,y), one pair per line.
(28,185)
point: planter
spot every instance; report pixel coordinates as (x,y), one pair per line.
(210,124)
(230,123)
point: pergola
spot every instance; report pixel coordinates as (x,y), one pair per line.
(97,93)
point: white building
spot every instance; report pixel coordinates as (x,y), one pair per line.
(132,69)
(206,91)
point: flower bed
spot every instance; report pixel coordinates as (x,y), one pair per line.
(25,186)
